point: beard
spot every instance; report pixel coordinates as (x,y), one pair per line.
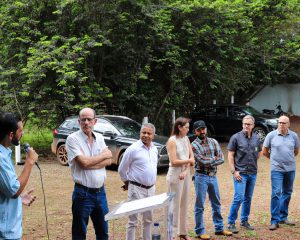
(202,136)
(15,141)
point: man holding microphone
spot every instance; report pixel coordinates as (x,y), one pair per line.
(11,186)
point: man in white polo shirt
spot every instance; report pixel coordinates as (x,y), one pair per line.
(87,157)
(138,170)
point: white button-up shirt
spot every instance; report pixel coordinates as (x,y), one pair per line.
(139,164)
(77,144)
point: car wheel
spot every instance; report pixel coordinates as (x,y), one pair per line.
(61,155)
(262,133)
(120,158)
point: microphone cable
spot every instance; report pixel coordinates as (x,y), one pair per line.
(44,195)
(26,149)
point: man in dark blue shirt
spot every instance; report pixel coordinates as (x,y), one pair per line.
(244,149)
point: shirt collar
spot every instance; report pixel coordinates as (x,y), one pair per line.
(245,135)
(84,136)
(141,144)
(202,141)
(278,133)
(5,151)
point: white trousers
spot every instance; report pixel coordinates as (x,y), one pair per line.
(135,192)
(179,206)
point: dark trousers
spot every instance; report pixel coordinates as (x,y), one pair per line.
(85,205)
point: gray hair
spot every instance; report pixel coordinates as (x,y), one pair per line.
(249,117)
(148,125)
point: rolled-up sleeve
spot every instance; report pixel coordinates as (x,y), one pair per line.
(9,183)
(73,148)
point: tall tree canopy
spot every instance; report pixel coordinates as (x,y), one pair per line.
(139,57)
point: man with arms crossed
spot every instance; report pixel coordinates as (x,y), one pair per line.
(244,149)
(281,146)
(138,170)
(208,155)
(88,156)
(11,186)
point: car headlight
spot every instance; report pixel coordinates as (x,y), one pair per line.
(272,121)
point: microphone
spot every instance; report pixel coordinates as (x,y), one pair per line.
(26,149)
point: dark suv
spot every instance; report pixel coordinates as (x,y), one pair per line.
(225,120)
(119,132)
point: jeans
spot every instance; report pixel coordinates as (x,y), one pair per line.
(85,205)
(243,191)
(206,184)
(282,188)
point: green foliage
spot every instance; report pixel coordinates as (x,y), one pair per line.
(39,138)
(141,58)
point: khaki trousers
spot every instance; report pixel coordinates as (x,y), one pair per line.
(135,192)
(179,206)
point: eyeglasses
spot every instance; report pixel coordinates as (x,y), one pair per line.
(282,122)
(247,124)
(86,119)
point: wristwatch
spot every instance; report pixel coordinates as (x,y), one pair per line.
(232,171)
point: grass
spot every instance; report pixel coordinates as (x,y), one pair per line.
(38,138)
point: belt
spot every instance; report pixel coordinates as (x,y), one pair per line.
(89,190)
(211,174)
(247,172)
(140,185)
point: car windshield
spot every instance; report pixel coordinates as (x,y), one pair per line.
(250,110)
(127,127)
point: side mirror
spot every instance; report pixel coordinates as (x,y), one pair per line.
(110,134)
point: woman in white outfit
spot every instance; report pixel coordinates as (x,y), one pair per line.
(179,178)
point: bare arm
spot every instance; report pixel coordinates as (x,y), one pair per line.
(102,164)
(236,174)
(231,160)
(94,162)
(266,152)
(191,155)
(31,158)
(171,147)
(296,151)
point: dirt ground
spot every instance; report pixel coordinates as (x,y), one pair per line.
(58,186)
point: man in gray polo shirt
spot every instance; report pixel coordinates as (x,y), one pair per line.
(281,146)
(244,149)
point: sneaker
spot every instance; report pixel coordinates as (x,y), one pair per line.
(224,233)
(247,225)
(232,228)
(287,222)
(274,226)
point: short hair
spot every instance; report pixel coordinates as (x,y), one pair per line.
(181,121)
(249,117)
(80,112)
(148,125)
(8,123)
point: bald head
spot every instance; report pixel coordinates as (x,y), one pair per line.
(87,110)
(283,124)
